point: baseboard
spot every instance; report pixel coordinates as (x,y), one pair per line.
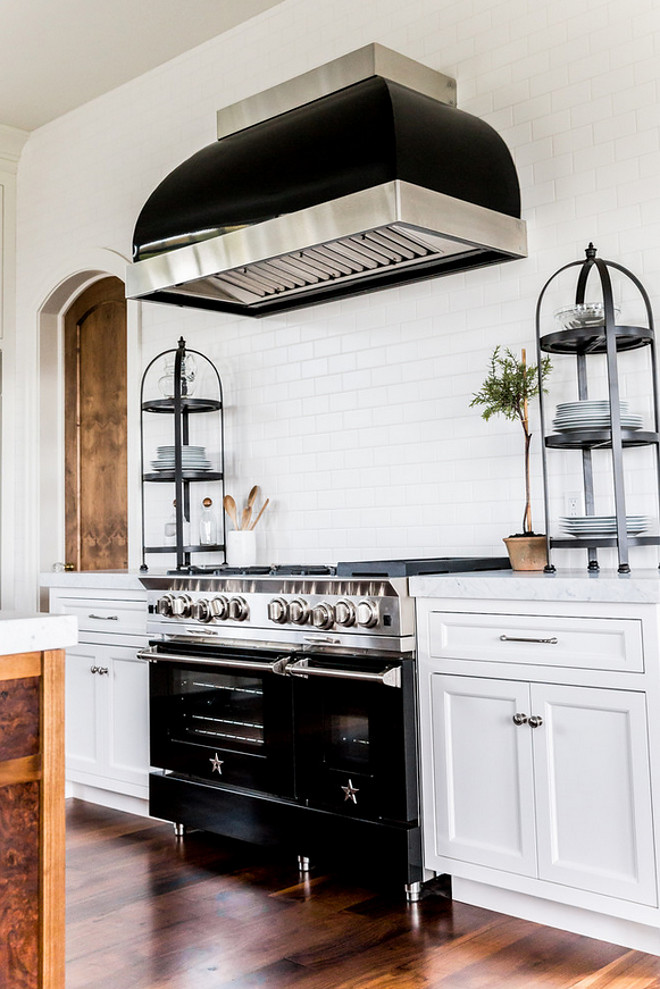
(107,798)
(627,933)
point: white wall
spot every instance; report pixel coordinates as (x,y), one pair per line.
(353,416)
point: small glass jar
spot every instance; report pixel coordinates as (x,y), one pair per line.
(208,529)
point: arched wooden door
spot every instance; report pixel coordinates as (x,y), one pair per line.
(95,428)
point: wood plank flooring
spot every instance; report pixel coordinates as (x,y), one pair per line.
(145,911)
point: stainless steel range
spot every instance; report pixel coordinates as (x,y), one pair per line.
(283,709)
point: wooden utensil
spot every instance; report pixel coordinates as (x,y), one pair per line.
(245,517)
(252,496)
(263,509)
(230,508)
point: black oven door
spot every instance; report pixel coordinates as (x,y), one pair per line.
(355,736)
(222,717)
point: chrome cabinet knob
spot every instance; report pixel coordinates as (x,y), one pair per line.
(298,611)
(345,613)
(367,614)
(238,609)
(535,721)
(519,719)
(323,616)
(278,610)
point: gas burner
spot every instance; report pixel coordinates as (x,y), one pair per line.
(274,570)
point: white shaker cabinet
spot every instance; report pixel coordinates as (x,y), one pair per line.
(549,781)
(107,697)
(540,749)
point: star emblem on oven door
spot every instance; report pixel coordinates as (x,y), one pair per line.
(350,791)
(217,763)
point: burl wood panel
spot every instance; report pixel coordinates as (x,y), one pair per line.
(19,886)
(95,428)
(19,718)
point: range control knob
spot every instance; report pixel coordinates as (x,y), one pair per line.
(219,607)
(345,613)
(182,605)
(165,605)
(367,614)
(323,616)
(201,610)
(298,611)
(238,609)
(278,610)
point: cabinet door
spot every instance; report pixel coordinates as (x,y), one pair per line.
(483,806)
(593,802)
(127,685)
(84,718)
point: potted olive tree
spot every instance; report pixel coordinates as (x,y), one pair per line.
(506,391)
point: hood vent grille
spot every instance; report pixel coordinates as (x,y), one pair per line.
(336,261)
(358,175)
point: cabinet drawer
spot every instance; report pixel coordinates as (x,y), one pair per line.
(538,640)
(107,616)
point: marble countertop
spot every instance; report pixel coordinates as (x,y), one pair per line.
(20,632)
(639,587)
(128,580)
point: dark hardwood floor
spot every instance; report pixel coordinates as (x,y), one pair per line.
(145,911)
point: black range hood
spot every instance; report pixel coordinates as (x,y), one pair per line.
(356,176)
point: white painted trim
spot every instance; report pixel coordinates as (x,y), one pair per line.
(628,933)
(12,140)
(37,481)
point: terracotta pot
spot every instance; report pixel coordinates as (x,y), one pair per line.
(527,552)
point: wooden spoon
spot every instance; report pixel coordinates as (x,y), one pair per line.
(252,496)
(230,508)
(263,509)
(247,511)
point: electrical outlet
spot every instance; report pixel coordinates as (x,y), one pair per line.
(572,504)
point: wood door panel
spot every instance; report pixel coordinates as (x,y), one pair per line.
(19,886)
(19,718)
(95,431)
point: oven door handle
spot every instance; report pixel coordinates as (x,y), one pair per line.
(272,666)
(390,677)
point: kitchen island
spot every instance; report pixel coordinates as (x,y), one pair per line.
(32,799)
(540,745)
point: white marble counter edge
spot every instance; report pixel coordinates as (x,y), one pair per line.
(128,580)
(35,633)
(641,587)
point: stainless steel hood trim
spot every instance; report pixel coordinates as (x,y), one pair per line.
(372,60)
(457,225)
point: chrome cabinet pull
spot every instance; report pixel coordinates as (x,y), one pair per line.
(535,721)
(93,669)
(103,670)
(552,641)
(519,719)
(105,618)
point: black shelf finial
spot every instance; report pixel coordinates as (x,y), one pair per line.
(590,251)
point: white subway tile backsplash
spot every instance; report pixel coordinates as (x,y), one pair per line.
(353,416)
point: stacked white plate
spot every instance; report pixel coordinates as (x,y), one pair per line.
(602,525)
(192,458)
(592,414)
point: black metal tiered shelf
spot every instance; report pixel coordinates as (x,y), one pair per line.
(607,338)
(181,406)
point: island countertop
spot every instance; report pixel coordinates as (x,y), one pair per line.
(22,632)
(638,587)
